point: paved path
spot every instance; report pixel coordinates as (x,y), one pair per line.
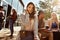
(4,33)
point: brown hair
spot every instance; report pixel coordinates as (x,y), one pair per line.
(1,7)
(31,15)
(40,12)
(14,11)
(14,16)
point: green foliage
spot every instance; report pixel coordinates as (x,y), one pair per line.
(47,15)
(59,17)
(47,8)
(43,5)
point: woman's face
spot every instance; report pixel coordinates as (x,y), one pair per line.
(30,8)
(1,9)
(53,16)
(41,15)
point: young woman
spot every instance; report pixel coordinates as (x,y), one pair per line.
(53,22)
(41,24)
(1,17)
(12,19)
(30,23)
(41,19)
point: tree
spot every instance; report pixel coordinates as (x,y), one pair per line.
(47,6)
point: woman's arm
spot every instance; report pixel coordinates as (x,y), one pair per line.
(36,28)
(49,24)
(58,25)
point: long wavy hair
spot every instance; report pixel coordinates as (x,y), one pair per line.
(31,15)
(54,14)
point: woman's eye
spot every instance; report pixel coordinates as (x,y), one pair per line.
(29,7)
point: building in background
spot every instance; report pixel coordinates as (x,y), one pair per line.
(12,4)
(16,4)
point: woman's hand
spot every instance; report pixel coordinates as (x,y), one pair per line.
(58,29)
(36,37)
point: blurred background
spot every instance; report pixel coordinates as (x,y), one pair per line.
(47,6)
(20,5)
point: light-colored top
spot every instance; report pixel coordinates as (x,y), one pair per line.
(30,25)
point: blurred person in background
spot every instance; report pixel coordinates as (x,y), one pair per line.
(41,23)
(1,17)
(41,19)
(53,22)
(44,34)
(12,19)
